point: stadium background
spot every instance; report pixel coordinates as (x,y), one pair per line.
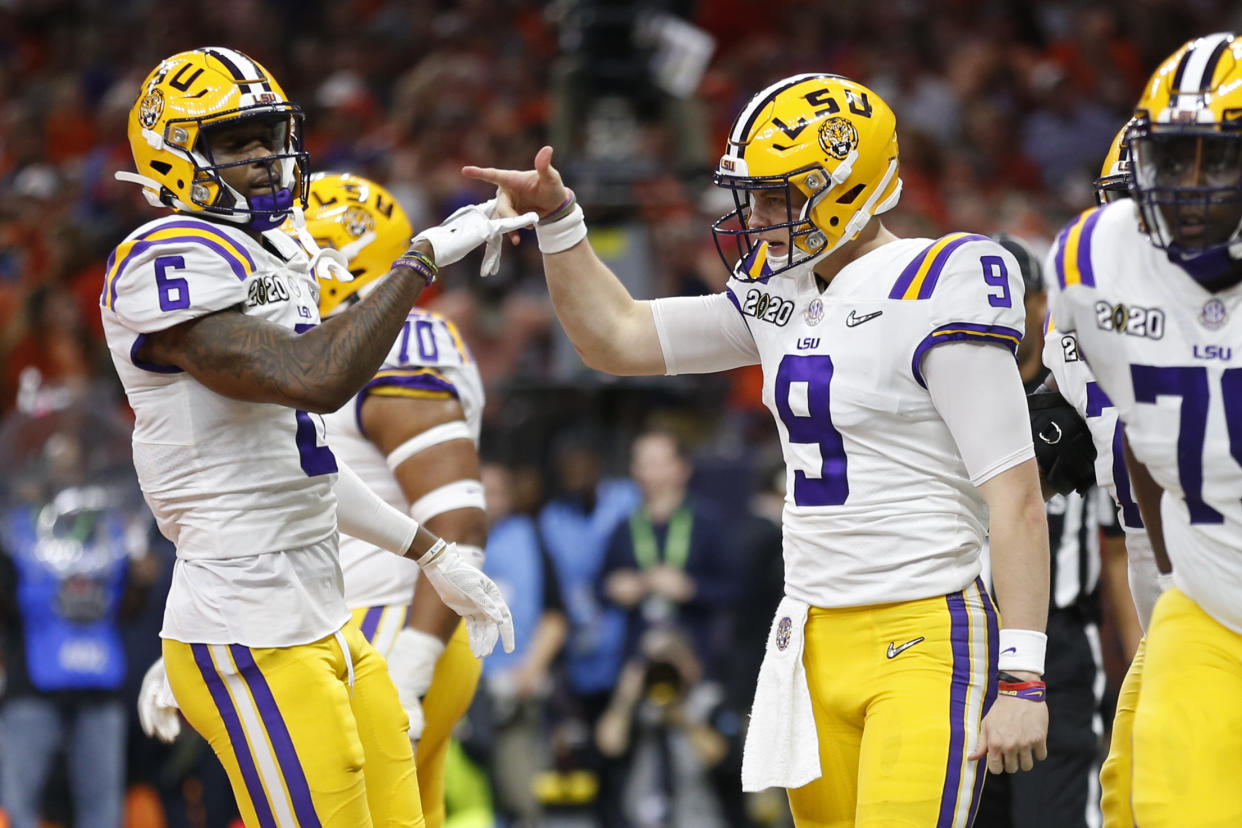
(1005,111)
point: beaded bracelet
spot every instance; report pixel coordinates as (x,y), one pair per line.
(418,262)
(1009,685)
(567,207)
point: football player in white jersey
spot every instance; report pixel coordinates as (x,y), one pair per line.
(1074,379)
(889,367)
(212,322)
(1151,286)
(411,434)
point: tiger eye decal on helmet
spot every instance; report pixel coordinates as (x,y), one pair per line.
(827,147)
(1185,146)
(838,138)
(362,220)
(179,103)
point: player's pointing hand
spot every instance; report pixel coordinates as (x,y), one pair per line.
(540,190)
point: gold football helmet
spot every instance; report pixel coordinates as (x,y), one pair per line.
(184,98)
(1186,154)
(365,223)
(818,137)
(1116,174)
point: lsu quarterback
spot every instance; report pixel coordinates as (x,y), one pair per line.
(1152,288)
(888,365)
(211,319)
(412,435)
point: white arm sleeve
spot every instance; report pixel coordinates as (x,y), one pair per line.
(365,515)
(702,334)
(978,392)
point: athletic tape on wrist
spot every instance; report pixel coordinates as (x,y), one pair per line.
(562,234)
(456,430)
(1022,650)
(460,494)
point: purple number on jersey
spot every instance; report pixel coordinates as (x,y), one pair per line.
(815,370)
(315,459)
(1097,401)
(174,292)
(1191,384)
(997,275)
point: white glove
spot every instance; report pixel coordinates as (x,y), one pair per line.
(157,707)
(412,663)
(472,595)
(469,227)
(330,264)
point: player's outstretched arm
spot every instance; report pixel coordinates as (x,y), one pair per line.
(251,359)
(611,331)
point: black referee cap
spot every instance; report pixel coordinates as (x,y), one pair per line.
(1032,268)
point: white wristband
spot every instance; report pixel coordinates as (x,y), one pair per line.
(563,233)
(1022,650)
(432,555)
(1164,580)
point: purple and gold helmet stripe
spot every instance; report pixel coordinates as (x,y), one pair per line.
(1196,69)
(278,733)
(237,736)
(1073,256)
(963,332)
(919,278)
(234,253)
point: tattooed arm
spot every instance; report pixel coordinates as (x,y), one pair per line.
(251,359)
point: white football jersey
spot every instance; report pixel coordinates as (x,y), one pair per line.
(1168,354)
(879,506)
(428,360)
(224,478)
(1077,384)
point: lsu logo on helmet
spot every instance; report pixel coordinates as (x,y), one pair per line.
(363,221)
(830,146)
(179,103)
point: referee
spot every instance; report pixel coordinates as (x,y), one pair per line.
(1063,791)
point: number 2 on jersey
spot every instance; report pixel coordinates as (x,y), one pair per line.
(314,457)
(802,399)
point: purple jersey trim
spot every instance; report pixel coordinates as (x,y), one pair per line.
(415,382)
(153,367)
(1084,249)
(933,273)
(963,331)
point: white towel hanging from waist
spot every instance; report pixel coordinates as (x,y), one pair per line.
(782,743)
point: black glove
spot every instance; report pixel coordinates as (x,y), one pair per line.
(1063,446)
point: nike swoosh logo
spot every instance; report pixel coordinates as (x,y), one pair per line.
(854,320)
(893,651)
(1009,650)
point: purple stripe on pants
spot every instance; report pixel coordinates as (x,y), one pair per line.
(960,637)
(370,623)
(278,733)
(989,612)
(237,737)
